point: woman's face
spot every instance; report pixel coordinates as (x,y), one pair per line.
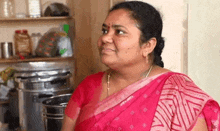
(119,43)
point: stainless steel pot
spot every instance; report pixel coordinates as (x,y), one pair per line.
(33,89)
(53,111)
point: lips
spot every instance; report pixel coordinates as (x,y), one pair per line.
(107,50)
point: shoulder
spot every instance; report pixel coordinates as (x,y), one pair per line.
(180,80)
(185,89)
(175,76)
(91,82)
(84,90)
(93,77)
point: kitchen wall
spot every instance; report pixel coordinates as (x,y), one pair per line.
(204,45)
(174,15)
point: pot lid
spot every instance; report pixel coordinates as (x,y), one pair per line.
(41,73)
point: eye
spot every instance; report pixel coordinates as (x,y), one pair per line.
(104,31)
(120,32)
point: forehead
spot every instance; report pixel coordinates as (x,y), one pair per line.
(119,16)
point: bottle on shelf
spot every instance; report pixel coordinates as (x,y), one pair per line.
(64,45)
(22,43)
(35,37)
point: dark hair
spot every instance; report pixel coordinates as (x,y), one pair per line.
(149,22)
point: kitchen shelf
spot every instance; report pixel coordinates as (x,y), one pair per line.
(4,101)
(40,59)
(37,19)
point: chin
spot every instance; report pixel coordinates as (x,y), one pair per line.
(106,62)
(111,64)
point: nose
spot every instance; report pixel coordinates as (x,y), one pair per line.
(107,38)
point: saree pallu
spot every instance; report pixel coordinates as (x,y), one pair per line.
(169,101)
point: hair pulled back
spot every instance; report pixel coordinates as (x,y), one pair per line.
(149,23)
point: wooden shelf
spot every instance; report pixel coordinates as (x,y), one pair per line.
(4,101)
(47,59)
(34,19)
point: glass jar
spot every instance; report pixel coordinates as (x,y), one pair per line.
(22,43)
(35,37)
(7,8)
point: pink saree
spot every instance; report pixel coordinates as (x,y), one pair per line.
(169,101)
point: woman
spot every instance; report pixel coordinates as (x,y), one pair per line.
(137,93)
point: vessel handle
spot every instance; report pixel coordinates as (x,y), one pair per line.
(44,95)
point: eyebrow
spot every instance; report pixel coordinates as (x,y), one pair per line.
(114,26)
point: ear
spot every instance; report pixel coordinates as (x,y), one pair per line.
(149,46)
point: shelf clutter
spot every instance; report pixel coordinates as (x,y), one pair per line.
(28,44)
(53,45)
(38,19)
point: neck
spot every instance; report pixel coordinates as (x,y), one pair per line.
(130,74)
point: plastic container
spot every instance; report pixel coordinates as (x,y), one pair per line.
(22,43)
(34,8)
(7,8)
(64,45)
(35,37)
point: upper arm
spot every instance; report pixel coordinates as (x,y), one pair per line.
(68,124)
(200,125)
(71,115)
(73,108)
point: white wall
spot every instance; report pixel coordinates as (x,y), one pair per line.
(174,14)
(204,45)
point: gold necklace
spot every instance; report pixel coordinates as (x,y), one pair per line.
(109,75)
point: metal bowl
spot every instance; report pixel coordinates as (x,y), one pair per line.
(55,106)
(53,111)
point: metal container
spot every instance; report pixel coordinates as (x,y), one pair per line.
(13,115)
(33,88)
(6,50)
(53,111)
(45,65)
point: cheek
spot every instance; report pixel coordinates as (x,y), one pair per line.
(123,47)
(129,48)
(124,44)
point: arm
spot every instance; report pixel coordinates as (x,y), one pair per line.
(68,124)
(76,101)
(200,125)
(71,115)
